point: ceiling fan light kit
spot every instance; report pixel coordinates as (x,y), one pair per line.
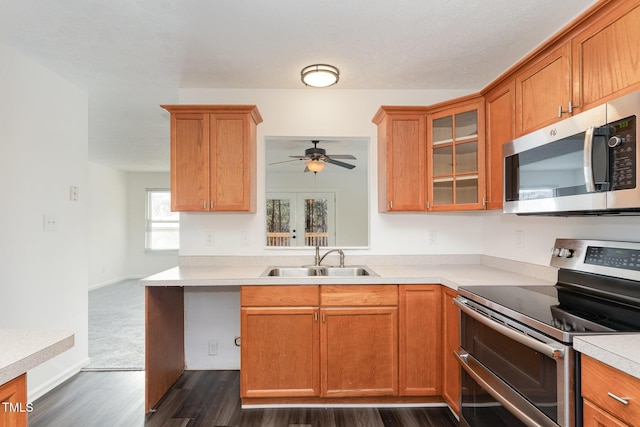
(315,166)
(320,75)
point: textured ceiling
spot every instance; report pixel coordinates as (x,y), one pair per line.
(132,55)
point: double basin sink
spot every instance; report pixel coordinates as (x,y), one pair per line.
(319,271)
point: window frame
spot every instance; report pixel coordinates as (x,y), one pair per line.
(149,221)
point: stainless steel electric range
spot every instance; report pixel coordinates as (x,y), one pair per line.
(516,352)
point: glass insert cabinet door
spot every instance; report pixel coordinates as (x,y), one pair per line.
(300,219)
(456,150)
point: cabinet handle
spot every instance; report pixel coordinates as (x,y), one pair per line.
(623,400)
(569,110)
(390,204)
(315,316)
(211,205)
(324,317)
(204,204)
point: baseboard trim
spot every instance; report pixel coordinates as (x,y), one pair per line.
(111,282)
(54,382)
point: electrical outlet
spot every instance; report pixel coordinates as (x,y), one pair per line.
(518,238)
(433,237)
(50,222)
(74,193)
(210,238)
(213,347)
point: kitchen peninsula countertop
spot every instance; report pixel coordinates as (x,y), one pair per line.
(24,349)
(619,351)
(451,275)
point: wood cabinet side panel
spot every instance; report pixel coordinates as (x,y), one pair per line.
(598,379)
(358,295)
(280,352)
(419,333)
(189,162)
(451,342)
(359,351)
(164,330)
(14,392)
(279,296)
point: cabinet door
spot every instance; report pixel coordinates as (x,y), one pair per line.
(402,161)
(456,157)
(280,353)
(359,351)
(606,58)
(500,118)
(420,353)
(593,416)
(189,162)
(543,88)
(230,162)
(451,337)
(13,396)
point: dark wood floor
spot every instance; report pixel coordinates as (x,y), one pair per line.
(201,399)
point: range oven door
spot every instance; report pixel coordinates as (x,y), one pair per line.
(512,375)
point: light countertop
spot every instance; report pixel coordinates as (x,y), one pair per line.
(24,349)
(452,276)
(621,351)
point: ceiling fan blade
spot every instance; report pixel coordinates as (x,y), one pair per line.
(284,161)
(341,156)
(342,164)
(299,157)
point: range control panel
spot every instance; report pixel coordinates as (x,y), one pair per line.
(609,258)
(628,259)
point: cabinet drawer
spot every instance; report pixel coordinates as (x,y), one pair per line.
(279,296)
(599,379)
(355,295)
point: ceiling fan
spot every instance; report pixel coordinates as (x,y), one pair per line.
(316,159)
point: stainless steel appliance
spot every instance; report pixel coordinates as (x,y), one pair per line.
(586,164)
(518,364)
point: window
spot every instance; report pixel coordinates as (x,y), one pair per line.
(163,226)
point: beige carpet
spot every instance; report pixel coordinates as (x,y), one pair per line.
(116,327)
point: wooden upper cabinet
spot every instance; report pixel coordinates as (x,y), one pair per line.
(543,90)
(500,128)
(455,157)
(213,157)
(606,55)
(401,158)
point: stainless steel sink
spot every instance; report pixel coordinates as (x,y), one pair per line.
(310,271)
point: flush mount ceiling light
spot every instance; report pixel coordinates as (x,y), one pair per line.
(320,75)
(315,166)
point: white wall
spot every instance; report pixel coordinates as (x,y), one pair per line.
(139,262)
(107,225)
(43,151)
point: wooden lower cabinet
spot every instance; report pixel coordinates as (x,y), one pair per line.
(280,355)
(359,351)
(306,344)
(420,343)
(13,395)
(451,342)
(600,383)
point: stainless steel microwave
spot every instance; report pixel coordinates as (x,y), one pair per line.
(584,165)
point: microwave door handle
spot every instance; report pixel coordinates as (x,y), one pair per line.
(588,160)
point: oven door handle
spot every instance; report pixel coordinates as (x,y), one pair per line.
(544,348)
(499,390)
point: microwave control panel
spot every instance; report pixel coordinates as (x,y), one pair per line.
(622,144)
